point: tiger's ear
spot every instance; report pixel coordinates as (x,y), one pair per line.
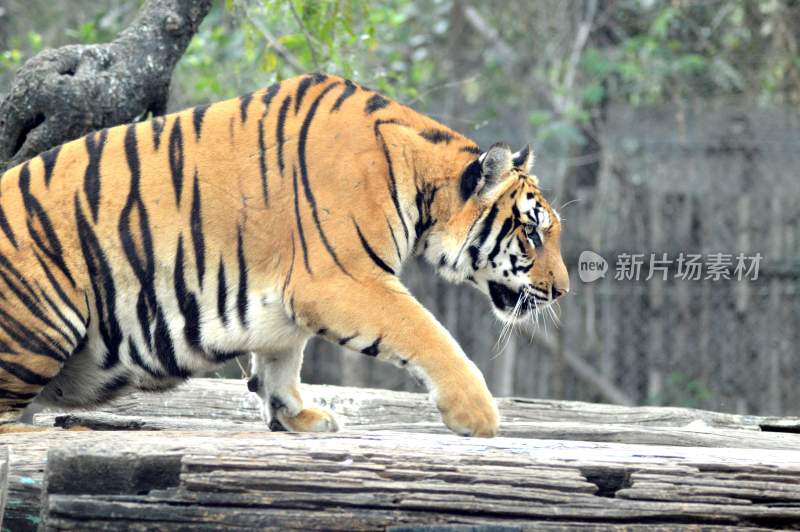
(496,163)
(480,176)
(523,159)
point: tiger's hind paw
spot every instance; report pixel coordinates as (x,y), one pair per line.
(309,420)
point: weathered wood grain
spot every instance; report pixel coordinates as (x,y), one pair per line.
(207,435)
(694,435)
(371,480)
(229,399)
(3,479)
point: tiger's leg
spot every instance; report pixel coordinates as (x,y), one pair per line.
(275,377)
(381,318)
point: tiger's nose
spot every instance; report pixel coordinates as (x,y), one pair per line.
(555,293)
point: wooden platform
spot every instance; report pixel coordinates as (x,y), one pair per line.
(200,458)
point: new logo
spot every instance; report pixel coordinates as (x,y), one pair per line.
(591,266)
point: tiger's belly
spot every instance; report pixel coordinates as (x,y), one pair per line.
(172,353)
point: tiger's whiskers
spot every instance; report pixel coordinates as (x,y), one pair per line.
(508,328)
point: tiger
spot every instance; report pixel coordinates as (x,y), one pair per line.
(142,254)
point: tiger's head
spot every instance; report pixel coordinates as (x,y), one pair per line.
(505,237)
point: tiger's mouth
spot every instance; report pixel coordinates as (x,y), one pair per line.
(513,305)
(503,297)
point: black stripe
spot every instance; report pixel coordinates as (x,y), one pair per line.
(81,345)
(18,284)
(372,350)
(219,357)
(76,335)
(24,374)
(346,339)
(49,161)
(376,102)
(423,201)
(57,287)
(486,228)
(7,228)
(15,278)
(175,155)
(165,350)
(305,83)
(244,103)
(187,302)
(288,275)
(301,148)
(19,396)
(103,288)
(241,296)
(139,254)
(292,315)
(392,178)
(300,221)
(47,242)
(222,293)
(279,132)
(198,238)
(504,230)
(18,405)
(197,119)
(262,163)
(91,179)
(471,149)
(436,136)
(158,127)
(394,239)
(269,95)
(25,336)
(136,358)
(374,256)
(348,91)
(469,180)
(30,339)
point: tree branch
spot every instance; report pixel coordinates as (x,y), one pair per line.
(272,42)
(61,94)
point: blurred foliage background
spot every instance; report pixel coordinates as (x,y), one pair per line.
(557,61)
(650,115)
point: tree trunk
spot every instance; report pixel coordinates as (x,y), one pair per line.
(61,94)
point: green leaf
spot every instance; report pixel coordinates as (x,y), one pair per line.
(593,94)
(539,117)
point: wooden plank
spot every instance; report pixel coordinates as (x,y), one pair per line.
(211,414)
(697,435)
(3,480)
(371,480)
(229,400)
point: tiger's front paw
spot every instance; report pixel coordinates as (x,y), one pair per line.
(308,420)
(469,411)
